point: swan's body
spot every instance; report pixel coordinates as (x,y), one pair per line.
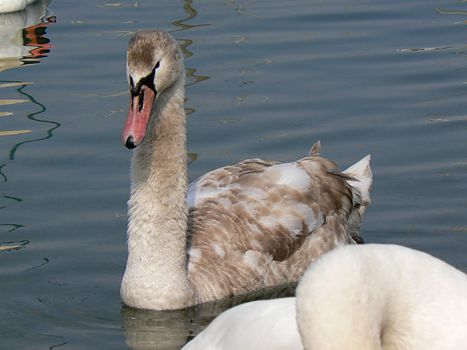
(366,297)
(14,5)
(382,297)
(264,324)
(240,228)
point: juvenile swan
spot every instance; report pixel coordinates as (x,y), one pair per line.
(369,297)
(236,229)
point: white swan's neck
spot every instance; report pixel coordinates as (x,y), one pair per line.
(156,275)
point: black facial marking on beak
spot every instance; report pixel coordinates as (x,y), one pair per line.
(147,80)
(132,88)
(141,99)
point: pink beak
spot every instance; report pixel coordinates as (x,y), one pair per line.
(138,117)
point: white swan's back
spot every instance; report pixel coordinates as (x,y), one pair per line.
(365,297)
(382,297)
(265,324)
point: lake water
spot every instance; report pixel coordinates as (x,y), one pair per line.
(265,78)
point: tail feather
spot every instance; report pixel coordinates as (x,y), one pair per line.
(362,178)
(315,150)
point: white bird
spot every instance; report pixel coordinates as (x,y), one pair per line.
(257,325)
(382,297)
(14,5)
(236,229)
(365,297)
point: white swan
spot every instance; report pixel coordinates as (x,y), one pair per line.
(365,297)
(14,5)
(257,325)
(382,297)
(240,228)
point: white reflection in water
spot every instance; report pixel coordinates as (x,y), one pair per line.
(22,34)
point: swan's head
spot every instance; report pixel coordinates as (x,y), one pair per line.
(154,63)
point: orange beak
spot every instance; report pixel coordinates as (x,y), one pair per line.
(138,117)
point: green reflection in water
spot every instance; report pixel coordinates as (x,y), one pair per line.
(191,75)
(14,198)
(14,227)
(12,153)
(45,261)
(32,116)
(2,175)
(11,227)
(191,12)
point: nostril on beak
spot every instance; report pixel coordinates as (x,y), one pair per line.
(130,142)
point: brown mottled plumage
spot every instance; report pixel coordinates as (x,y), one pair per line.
(229,242)
(236,229)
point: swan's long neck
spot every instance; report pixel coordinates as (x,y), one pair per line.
(337,307)
(156,275)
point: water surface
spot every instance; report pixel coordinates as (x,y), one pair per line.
(264,79)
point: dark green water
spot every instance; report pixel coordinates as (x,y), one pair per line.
(265,78)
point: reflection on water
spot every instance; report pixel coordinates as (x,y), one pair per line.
(12,245)
(168,330)
(442,11)
(381,77)
(146,330)
(193,78)
(52,125)
(32,116)
(3,176)
(12,227)
(191,13)
(23,41)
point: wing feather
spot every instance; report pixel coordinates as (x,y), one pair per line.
(263,206)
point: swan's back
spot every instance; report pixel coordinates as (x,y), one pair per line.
(260,223)
(265,324)
(382,297)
